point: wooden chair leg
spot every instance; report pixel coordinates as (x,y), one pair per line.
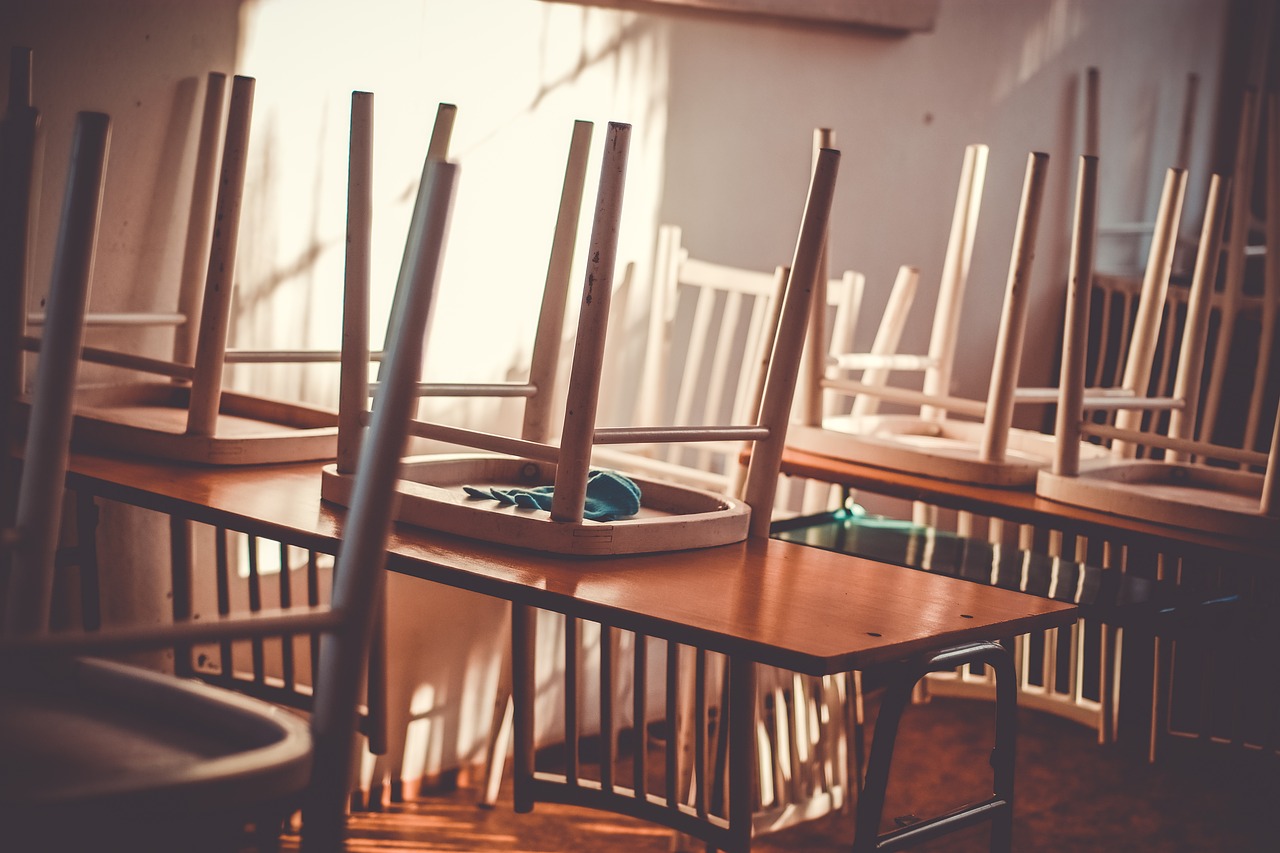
(499,742)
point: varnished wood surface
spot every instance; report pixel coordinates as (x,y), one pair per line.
(775,602)
(1026,507)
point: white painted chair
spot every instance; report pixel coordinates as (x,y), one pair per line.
(1069,698)
(220,764)
(706,355)
(711,328)
(899,441)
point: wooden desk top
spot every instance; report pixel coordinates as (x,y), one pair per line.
(776,602)
(1026,507)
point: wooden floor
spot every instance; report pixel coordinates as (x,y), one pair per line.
(1073,796)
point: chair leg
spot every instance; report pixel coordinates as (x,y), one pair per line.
(997,808)
(499,743)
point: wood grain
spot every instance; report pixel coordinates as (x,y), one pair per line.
(775,602)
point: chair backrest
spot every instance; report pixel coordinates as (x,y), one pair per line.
(32,539)
(710,329)
(708,348)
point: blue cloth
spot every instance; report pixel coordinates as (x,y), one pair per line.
(610,496)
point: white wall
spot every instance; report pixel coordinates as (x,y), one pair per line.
(723,110)
(744,96)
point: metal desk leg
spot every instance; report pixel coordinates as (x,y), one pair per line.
(182,576)
(997,808)
(86,558)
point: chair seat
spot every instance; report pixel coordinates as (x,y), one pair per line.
(1196,496)
(949,449)
(130,750)
(150,419)
(431,494)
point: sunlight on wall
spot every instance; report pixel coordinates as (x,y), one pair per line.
(520,73)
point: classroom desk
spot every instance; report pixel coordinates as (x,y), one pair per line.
(1025,507)
(770,602)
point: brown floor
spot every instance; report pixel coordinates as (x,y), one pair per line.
(1072,796)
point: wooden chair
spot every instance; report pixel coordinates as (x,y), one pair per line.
(1242,345)
(1135,404)
(671,516)
(936,365)
(1175,489)
(211,761)
(537,391)
(187,415)
(1183,481)
(985,448)
(703,811)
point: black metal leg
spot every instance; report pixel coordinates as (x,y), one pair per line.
(998,808)
(1004,755)
(86,555)
(871,796)
(181,574)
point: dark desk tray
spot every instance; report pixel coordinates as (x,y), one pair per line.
(1113,597)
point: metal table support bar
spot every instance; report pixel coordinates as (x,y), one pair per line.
(997,808)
